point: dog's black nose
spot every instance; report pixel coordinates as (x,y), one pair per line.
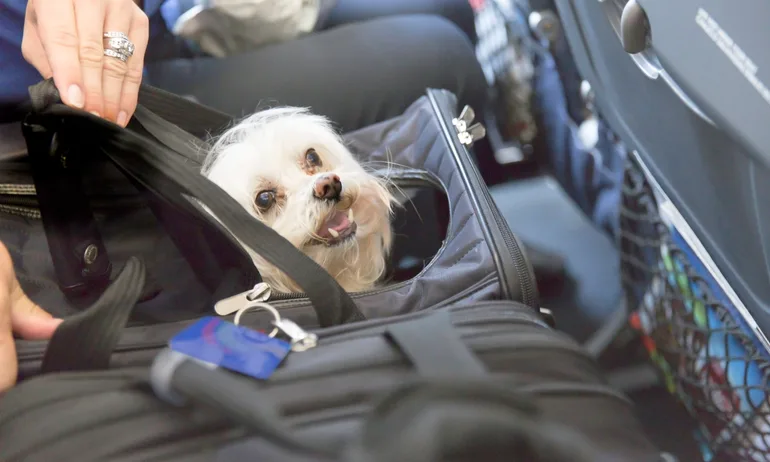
(327,186)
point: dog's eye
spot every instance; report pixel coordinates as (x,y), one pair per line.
(265,200)
(312,159)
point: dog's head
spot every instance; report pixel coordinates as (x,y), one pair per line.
(291,171)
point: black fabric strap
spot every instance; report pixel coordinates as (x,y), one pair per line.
(86,341)
(433,345)
(172,136)
(195,118)
(78,254)
(170,176)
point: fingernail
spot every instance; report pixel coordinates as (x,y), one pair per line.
(95,113)
(122,118)
(75,96)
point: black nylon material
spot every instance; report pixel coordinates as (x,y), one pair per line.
(195,118)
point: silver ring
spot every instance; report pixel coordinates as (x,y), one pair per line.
(115,54)
(118,45)
(259,306)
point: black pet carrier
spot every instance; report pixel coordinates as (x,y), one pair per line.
(90,195)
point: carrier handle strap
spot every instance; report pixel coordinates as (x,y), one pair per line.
(194,118)
(435,348)
(86,340)
(171,177)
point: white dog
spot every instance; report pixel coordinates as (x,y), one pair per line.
(290,170)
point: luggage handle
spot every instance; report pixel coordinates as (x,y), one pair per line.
(633,30)
(158,169)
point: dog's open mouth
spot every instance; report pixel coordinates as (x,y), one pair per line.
(338,227)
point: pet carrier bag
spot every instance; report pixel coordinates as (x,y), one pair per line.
(685,85)
(103,194)
(486,381)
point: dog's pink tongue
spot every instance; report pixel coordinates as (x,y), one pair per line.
(338,222)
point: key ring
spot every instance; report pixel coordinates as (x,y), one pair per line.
(260,306)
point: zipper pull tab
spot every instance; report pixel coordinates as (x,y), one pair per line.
(301,340)
(261,292)
(465,118)
(473,134)
(468,132)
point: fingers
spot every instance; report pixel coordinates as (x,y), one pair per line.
(65,39)
(139,35)
(8,361)
(8,364)
(119,15)
(17,314)
(29,320)
(31,48)
(58,35)
(90,21)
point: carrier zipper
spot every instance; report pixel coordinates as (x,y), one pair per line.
(514,258)
(230,305)
(467,133)
(294,299)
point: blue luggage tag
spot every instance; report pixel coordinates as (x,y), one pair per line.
(223,344)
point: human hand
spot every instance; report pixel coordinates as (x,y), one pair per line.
(20,315)
(64,39)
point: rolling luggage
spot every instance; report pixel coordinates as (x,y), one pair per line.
(91,196)
(684,85)
(487,381)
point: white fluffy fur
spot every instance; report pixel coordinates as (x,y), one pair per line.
(267,151)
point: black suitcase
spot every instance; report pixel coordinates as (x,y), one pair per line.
(683,84)
(488,381)
(190,263)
